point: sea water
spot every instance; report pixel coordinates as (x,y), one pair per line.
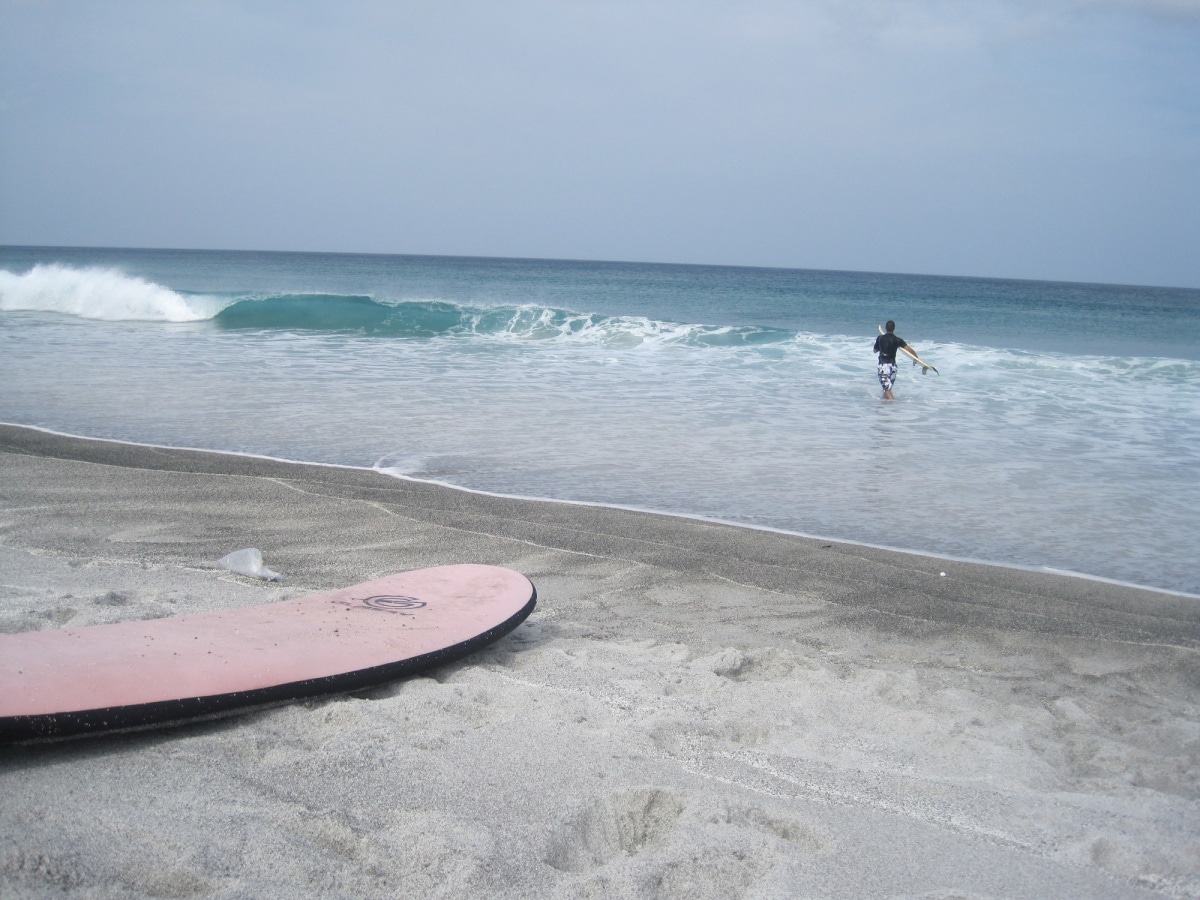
(1063,431)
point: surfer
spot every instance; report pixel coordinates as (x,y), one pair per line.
(886,345)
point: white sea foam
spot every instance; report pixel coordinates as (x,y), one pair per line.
(96,293)
(529,322)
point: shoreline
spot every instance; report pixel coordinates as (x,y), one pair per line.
(926,554)
(693,709)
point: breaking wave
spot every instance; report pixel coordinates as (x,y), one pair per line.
(432,318)
(95,293)
(110,295)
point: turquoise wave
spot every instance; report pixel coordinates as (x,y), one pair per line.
(341,313)
(334,313)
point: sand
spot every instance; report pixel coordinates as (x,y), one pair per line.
(693,710)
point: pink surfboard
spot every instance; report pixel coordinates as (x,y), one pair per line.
(77,680)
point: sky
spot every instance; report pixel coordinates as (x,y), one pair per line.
(1045,139)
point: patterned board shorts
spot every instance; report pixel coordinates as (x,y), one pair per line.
(887,375)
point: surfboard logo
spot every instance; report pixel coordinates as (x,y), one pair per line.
(393,603)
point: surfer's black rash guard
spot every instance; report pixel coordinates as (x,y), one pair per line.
(886,346)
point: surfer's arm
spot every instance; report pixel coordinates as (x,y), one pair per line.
(915,358)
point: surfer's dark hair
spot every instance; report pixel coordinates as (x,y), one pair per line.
(890,326)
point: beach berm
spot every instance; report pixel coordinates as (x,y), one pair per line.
(693,710)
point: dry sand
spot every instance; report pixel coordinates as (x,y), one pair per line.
(693,710)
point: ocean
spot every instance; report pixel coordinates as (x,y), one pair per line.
(1062,433)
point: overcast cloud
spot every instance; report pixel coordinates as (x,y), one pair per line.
(1056,139)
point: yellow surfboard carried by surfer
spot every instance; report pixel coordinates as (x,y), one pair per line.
(917,361)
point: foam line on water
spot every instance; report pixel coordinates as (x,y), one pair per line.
(1044,570)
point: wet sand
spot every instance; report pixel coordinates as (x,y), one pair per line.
(692,710)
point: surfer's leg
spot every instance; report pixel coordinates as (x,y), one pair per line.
(887,377)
